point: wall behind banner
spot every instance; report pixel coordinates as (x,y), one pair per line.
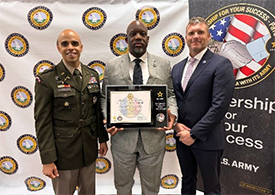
(28,33)
(244,32)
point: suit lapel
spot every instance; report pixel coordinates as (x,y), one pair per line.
(124,67)
(152,68)
(201,66)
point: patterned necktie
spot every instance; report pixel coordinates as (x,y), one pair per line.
(77,76)
(137,76)
(188,73)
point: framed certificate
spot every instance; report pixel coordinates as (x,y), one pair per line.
(136,106)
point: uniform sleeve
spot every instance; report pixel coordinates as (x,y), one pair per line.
(101,131)
(43,121)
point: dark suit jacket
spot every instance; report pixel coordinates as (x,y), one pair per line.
(59,105)
(205,101)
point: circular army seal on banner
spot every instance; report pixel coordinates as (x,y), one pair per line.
(27,144)
(2,72)
(17,45)
(8,165)
(94,18)
(169,181)
(118,44)
(149,15)
(170,142)
(21,96)
(41,66)
(103,165)
(98,66)
(173,44)
(5,121)
(34,183)
(40,17)
(244,33)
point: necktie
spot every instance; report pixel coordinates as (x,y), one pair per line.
(137,76)
(77,76)
(188,73)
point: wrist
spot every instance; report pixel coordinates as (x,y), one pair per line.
(193,136)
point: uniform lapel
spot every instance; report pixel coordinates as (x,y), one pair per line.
(65,76)
(87,77)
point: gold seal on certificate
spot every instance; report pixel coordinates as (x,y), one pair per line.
(136,106)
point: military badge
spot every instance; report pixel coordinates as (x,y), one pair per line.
(34,183)
(160,117)
(169,181)
(5,121)
(170,142)
(21,96)
(94,99)
(27,144)
(94,18)
(173,44)
(98,66)
(41,66)
(40,17)
(118,44)
(8,165)
(17,45)
(103,165)
(2,72)
(149,16)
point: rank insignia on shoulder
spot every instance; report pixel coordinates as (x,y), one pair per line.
(38,79)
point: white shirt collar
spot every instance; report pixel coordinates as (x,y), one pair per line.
(198,57)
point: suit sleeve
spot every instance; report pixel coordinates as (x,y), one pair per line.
(103,96)
(101,131)
(172,103)
(222,92)
(43,121)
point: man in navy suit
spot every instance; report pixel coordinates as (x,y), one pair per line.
(204,85)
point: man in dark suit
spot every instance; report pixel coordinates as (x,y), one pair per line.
(68,119)
(139,148)
(204,85)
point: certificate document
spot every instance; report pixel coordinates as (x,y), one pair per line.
(130,107)
(136,106)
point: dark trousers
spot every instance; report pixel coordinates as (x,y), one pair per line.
(209,164)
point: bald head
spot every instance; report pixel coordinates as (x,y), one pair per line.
(136,23)
(68,33)
(137,38)
(70,47)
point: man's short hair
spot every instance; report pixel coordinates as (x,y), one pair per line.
(197,20)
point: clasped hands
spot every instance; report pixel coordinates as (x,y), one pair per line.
(171,119)
(183,132)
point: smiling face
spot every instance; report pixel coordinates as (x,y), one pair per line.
(137,38)
(70,47)
(197,37)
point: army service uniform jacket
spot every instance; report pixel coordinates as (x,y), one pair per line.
(68,118)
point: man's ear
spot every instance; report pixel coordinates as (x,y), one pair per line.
(126,39)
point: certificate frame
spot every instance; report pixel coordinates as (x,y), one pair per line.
(136,106)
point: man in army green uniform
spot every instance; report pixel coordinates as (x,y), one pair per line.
(68,119)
